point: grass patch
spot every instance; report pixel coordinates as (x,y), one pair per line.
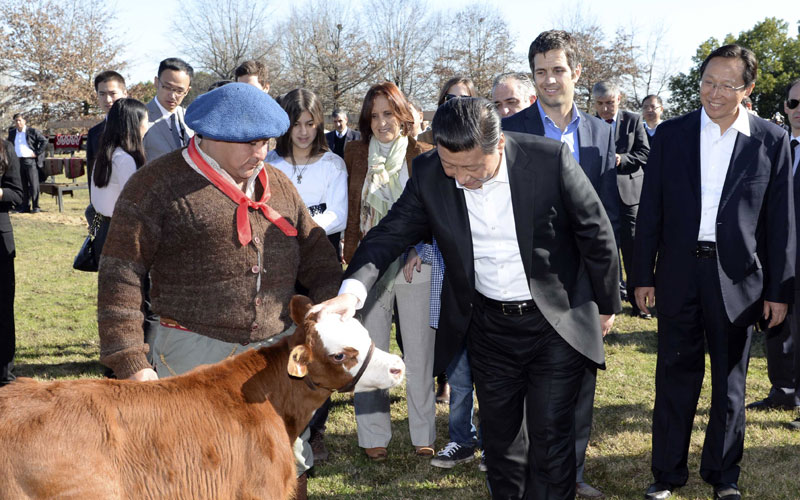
(57,339)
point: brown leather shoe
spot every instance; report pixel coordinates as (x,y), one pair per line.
(301,493)
(318,447)
(377,454)
(424,451)
(443,392)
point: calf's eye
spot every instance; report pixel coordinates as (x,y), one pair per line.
(338,357)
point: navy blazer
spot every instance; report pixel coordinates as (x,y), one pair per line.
(93,144)
(565,240)
(596,149)
(351,135)
(755,220)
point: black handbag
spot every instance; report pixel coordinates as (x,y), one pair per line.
(88,258)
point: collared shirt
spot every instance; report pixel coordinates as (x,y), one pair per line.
(569,135)
(796,154)
(21,144)
(651,131)
(430,254)
(715,157)
(499,273)
(164,113)
(342,134)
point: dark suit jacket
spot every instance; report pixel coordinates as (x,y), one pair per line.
(36,141)
(93,143)
(11,183)
(565,240)
(632,147)
(755,221)
(351,135)
(596,149)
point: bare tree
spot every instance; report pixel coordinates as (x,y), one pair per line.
(52,50)
(477,43)
(657,65)
(221,34)
(328,52)
(401,32)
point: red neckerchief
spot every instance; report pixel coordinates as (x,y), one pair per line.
(236,194)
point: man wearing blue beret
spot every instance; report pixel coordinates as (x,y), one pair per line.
(224,238)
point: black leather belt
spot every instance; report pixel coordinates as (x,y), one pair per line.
(705,250)
(512,308)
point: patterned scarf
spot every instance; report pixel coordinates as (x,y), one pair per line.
(382,186)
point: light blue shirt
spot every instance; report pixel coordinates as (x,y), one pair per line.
(568,136)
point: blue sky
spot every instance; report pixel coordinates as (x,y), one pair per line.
(146,23)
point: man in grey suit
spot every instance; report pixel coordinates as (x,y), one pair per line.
(168,131)
(532,297)
(632,149)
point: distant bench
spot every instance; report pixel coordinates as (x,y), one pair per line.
(72,168)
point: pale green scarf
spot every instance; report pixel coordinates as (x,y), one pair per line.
(382,185)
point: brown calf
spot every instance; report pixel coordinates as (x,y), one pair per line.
(222,431)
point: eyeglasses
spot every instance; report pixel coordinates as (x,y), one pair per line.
(173,90)
(792,103)
(720,87)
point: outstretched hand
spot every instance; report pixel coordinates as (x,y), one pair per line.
(344,305)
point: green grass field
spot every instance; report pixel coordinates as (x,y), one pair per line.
(57,339)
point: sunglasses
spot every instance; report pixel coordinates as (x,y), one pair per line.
(792,103)
(447,97)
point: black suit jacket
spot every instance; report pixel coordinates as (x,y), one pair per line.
(93,144)
(596,150)
(11,183)
(633,148)
(350,135)
(36,141)
(755,220)
(565,240)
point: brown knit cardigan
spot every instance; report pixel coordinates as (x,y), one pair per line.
(355,158)
(175,225)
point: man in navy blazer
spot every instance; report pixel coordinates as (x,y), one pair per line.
(110,87)
(553,60)
(532,298)
(341,134)
(716,222)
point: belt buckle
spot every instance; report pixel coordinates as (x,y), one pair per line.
(512,309)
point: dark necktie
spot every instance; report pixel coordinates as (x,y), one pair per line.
(177,132)
(610,120)
(794,150)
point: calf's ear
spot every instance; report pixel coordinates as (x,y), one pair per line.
(298,307)
(298,361)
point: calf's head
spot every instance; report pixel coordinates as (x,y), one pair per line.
(332,354)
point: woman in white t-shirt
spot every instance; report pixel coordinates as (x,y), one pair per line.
(119,155)
(319,175)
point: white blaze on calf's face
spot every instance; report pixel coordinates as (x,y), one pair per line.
(383,371)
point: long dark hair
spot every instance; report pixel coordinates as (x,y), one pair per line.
(465,81)
(294,103)
(122,130)
(3,157)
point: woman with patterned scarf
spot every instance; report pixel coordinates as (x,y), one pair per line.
(378,168)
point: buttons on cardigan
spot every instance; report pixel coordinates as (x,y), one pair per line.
(258,301)
(256,240)
(254,327)
(255,269)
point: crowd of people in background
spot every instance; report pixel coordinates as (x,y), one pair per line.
(685,207)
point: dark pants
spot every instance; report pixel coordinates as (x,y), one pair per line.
(783,358)
(7,334)
(627,231)
(30,183)
(583,418)
(518,361)
(679,377)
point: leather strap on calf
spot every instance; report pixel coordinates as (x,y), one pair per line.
(350,385)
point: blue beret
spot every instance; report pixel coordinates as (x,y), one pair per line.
(236,112)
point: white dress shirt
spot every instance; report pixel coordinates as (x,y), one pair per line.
(21,144)
(499,272)
(324,181)
(715,157)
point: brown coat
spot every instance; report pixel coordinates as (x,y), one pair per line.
(355,157)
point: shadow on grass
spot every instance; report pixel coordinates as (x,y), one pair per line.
(610,420)
(85,349)
(642,341)
(48,371)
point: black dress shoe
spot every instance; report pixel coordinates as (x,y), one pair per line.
(659,491)
(769,403)
(794,424)
(727,492)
